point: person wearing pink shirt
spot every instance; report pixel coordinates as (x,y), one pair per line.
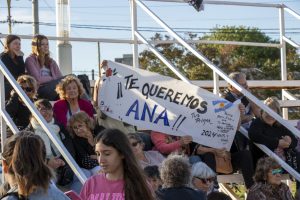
(121,176)
(167,144)
(43,68)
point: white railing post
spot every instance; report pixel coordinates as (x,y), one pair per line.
(283,57)
(133,14)
(216,84)
(219,71)
(3,124)
(234,84)
(163,59)
(270,153)
(36,114)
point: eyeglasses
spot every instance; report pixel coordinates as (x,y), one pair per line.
(45,109)
(277,171)
(27,89)
(134,144)
(205,180)
(78,126)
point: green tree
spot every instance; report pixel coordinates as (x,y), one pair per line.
(172,52)
(262,62)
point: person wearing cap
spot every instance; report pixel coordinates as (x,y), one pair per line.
(12,57)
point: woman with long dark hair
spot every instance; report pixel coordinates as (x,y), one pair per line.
(12,57)
(122,177)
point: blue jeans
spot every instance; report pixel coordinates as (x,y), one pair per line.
(76,185)
(194,159)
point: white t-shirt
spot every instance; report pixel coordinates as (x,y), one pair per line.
(45,71)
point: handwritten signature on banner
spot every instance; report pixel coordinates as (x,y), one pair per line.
(160,103)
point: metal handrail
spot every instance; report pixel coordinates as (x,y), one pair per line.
(160,56)
(9,121)
(289,96)
(58,144)
(217,70)
(291,42)
(233,83)
(155,42)
(292,12)
(270,153)
(228,3)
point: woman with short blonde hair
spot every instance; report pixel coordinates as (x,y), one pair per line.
(70,91)
(61,87)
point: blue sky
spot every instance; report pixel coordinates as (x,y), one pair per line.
(117,13)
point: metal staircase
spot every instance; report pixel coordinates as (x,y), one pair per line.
(137,36)
(288,99)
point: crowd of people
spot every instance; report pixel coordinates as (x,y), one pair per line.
(120,162)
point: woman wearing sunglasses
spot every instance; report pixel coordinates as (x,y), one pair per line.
(145,158)
(16,108)
(268,185)
(203,177)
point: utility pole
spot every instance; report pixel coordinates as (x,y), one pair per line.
(35,16)
(9,16)
(64,48)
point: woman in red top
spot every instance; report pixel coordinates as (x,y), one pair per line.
(70,90)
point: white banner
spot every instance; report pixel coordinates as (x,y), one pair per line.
(154,102)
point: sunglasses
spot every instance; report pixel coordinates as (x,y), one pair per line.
(205,180)
(27,89)
(134,144)
(277,171)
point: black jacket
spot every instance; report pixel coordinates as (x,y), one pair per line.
(180,193)
(262,133)
(83,150)
(18,111)
(16,68)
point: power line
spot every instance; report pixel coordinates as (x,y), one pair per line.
(270,31)
(128,27)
